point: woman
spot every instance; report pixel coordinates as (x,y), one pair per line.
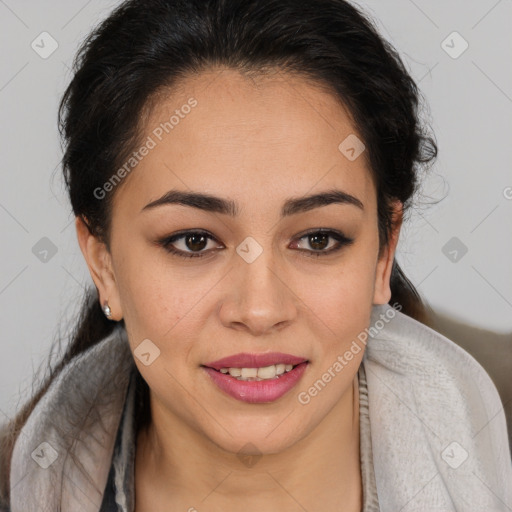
(239,172)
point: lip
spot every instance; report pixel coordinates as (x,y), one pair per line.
(247,360)
(253,392)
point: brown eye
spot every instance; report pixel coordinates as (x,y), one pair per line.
(318,241)
(193,244)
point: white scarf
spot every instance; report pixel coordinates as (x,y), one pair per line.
(437,424)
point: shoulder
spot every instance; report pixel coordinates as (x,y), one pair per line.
(410,348)
(428,366)
(430,399)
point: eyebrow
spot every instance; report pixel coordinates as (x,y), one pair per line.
(291,206)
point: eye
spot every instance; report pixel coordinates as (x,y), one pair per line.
(192,243)
(318,240)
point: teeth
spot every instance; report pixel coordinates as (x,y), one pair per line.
(265,373)
(268,372)
(249,372)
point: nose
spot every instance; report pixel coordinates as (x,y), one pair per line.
(259,298)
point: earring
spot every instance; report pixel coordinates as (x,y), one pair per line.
(107,310)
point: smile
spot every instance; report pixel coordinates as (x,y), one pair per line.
(256,374)
(246,385)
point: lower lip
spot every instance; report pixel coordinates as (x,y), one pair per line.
(257,391)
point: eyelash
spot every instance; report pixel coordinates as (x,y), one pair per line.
(336,235)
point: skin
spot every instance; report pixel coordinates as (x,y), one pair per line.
(257,142)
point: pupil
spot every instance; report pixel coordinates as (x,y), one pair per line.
(196,245)
(314,243)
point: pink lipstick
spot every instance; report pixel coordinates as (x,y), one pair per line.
(239,375)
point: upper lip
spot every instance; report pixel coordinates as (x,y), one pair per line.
(245,360)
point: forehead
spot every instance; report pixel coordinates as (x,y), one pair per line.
(248,137)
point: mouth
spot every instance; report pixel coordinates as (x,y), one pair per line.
(248,360)
(270,372)
(256,378)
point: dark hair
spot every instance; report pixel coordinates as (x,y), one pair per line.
(145,47)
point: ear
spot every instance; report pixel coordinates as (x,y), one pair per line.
(382,289)
(99,262)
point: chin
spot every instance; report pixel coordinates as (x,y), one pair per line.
(252,439)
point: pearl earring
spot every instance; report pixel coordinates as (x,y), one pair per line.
(107,310)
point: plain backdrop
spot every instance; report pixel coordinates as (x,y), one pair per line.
(456,247)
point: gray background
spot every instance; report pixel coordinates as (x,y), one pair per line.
(470,110)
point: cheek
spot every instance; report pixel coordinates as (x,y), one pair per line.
(344,296)
(159,300)
(340,306)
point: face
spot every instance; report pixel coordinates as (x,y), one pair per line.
(270,271)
